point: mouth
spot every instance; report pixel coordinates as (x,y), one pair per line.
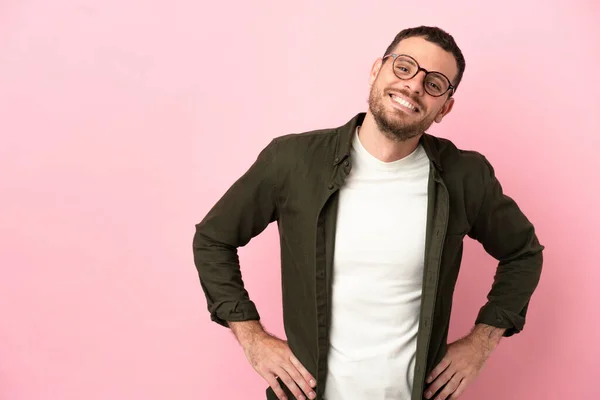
(404,104)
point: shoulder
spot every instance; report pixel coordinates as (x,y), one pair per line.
(460,162)
(293,149)
(307,139)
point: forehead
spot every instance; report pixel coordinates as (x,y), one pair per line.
(429,55)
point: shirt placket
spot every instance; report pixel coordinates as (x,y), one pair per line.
(437,223)
(326,225)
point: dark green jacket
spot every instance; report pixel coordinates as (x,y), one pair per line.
(296,180)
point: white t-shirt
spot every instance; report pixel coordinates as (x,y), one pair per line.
(377,277)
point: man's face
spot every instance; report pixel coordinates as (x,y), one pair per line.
(389,94)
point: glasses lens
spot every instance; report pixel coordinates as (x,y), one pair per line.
(405,67)
(436,84)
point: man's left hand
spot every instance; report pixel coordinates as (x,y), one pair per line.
(462,363)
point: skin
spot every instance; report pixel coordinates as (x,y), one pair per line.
(389,132)
(271,357)
(404,128)
(463,362)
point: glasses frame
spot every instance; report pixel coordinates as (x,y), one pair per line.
(419,69)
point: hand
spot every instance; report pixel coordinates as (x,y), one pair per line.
(271,357)
(462,363)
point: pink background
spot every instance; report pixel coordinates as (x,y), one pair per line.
(122,122)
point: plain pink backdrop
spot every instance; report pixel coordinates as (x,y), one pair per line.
(122,122)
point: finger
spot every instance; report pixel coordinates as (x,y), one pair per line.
(439,382)
(450,388)
(272,381)
(441,367)
(305,374)
(459,390)
(300,381)
(289,382)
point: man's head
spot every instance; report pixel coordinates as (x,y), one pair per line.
(413,83)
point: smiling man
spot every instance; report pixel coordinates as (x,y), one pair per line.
(372,217)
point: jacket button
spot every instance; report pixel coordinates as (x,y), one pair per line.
(337,160)
(330,187)
(346,163)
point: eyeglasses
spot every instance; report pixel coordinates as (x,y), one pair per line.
(405,67)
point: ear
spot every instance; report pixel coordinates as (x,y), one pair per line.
(375,71)
(446,108)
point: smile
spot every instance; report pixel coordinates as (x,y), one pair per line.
(404,103)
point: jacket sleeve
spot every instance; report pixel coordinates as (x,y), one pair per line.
(508,236)
(243,212)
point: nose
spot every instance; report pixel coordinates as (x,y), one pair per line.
(416,83)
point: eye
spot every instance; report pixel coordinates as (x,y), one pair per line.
(433,85)
(403,69)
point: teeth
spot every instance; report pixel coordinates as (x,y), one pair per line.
(403,102)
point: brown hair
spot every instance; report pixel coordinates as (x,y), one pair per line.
(437,36)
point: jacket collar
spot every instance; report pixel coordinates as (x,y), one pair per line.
(346,134)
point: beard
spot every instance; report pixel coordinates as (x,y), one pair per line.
(393,123)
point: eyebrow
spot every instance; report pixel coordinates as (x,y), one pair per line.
(419,64)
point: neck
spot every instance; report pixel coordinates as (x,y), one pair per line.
(380,145)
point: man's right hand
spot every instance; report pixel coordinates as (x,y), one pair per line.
(271,357)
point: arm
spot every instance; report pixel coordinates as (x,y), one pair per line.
(507,235)
(246,332)
(487,337)
(243,212)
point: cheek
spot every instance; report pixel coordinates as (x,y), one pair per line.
(434,107)
(384,82)
(439,114)
(378,88)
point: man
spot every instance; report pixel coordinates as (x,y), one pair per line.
(372,217)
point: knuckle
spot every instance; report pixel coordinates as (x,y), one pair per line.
(278,390)
(295,391)
(295,375)
(262,369)
(289,383)
(275,385)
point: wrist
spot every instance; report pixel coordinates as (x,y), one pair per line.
(486,336)
(247,332)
